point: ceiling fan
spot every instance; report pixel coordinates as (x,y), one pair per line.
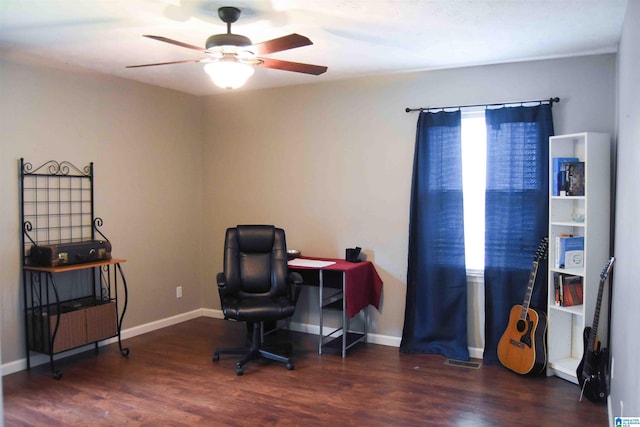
(230,57)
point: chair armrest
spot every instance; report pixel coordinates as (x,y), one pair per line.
(222,282)
(295,281)
(295,278)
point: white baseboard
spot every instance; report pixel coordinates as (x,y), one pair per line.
(40,359)
(388,340)
(159,324)
(476,353)
(371,338)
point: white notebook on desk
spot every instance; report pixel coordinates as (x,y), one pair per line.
(313,263)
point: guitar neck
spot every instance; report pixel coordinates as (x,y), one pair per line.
(541,253)
(591,342)
(596,317)
(529,292)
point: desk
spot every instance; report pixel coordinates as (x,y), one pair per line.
(345,286)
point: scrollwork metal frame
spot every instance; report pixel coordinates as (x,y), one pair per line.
(57,204)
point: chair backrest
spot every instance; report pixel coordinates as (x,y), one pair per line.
(255,261)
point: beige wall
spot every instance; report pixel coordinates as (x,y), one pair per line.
(173,171)
(332,163)
(145,143)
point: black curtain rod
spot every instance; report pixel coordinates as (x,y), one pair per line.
(550,101)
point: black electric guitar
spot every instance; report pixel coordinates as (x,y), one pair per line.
(522,347)
(593,366)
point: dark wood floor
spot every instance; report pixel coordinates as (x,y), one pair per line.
(169,379)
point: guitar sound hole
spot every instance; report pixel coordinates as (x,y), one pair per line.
(521,325)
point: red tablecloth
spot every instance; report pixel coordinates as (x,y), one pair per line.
(363,285)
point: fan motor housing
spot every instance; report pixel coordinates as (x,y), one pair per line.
(227,40)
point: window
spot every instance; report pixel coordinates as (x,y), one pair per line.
(474,162)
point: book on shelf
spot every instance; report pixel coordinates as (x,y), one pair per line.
(569,252)
(557,286)
(574,178)
(571,290)
(559,185)
(568,290)
(557,251)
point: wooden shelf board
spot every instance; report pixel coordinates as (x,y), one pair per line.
(74,267)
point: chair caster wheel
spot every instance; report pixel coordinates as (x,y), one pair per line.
(289,366)
(215,357)
(239,371)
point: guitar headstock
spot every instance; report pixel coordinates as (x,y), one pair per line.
(607,268)
(541,252)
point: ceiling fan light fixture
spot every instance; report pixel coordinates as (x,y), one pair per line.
(229,74)
(230,58)
(237,40)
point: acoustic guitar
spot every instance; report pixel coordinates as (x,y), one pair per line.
(522,347)
(593,366)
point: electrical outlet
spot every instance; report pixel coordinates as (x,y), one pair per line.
(179,292)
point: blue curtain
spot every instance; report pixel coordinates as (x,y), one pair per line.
(436,306)
(516,212)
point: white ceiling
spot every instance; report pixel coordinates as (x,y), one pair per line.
(353,38)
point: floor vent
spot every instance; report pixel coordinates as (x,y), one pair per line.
(463,364)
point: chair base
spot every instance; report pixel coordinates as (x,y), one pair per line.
(256,351)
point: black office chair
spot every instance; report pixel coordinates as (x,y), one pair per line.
(256,286)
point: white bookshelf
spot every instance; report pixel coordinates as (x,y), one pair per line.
(566,324)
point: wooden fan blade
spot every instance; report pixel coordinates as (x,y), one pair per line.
(282,43)
(164,63)
(297,67)
(176,42)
